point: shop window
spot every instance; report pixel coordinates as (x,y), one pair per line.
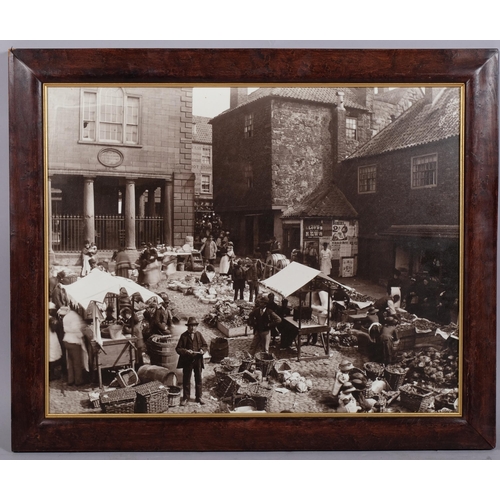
(205,184)
(249,125)
(424,171)
(351,128)
(110,116)
(367,179)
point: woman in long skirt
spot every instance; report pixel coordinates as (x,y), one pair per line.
(226,259)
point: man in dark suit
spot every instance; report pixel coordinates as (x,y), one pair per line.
(262,319)
(190,348)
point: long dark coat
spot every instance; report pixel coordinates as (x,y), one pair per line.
(186,359)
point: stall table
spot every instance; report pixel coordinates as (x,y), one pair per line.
(308,329)
(119,353)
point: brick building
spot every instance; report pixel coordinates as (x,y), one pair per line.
(275,146)
(405,186)
(120,167)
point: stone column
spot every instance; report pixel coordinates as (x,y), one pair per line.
(88,209)
(168,220)
(129,214)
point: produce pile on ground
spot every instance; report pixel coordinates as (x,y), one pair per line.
(219,289)
(293,380)
(231,314)
(342,336)
(358,297)
(431,368)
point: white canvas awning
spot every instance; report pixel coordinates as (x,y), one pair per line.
(293,277)
(95,286)
(290,278)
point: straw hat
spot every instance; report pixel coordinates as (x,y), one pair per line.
(345,365)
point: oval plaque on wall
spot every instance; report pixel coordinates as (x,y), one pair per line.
(110,157)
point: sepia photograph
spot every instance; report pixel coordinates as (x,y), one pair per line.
(253,250)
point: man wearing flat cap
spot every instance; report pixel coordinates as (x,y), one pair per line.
(190,348)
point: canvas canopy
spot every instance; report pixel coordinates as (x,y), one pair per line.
(293,277)
(95,286)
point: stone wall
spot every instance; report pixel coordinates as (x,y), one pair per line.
(165,135)
(302,149)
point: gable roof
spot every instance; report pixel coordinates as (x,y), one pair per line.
(423,123)
(327,200)
(203,131)
(322,95)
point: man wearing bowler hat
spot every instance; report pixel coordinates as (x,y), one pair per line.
(190,348)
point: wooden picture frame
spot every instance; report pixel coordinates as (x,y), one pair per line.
(30,69)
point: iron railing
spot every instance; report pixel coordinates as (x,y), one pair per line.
(68,232)
(148,230)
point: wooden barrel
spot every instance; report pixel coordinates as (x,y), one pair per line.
(149,373)
(219,349)
(161,350)
(275,262)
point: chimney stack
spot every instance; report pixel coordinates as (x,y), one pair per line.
(432,93)
(237,96)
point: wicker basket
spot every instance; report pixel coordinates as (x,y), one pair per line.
(415,398)
(264,362)
(228,385)
(127,377)
(374,370)
(393,377)
(118,401)
(174,395)
(280,368)
(152,397)
(231,365)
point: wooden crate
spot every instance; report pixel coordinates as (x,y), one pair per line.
(238,331)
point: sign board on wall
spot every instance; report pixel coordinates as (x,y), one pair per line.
(347,269)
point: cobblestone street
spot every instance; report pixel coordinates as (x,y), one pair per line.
(66,399)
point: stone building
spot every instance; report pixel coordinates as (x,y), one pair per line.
(202,168)
(119,167)
(275,146)
(405,186)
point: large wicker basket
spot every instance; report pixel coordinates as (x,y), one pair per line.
(415,398)
(394,376)
(264,362)
(152,397)
(373,370)
(118,401)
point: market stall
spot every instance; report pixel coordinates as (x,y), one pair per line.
(308,317)
(89,296)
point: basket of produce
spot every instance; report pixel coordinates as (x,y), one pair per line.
(374,370)
(415,398)
(118,401)
(231,365)
(220,373)
(394,376)
(152,397)
(264,362)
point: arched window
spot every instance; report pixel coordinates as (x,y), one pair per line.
(110,116)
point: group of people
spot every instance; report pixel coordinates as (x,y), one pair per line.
(68,346)
(380,343)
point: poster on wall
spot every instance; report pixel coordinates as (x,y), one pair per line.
(347,268)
